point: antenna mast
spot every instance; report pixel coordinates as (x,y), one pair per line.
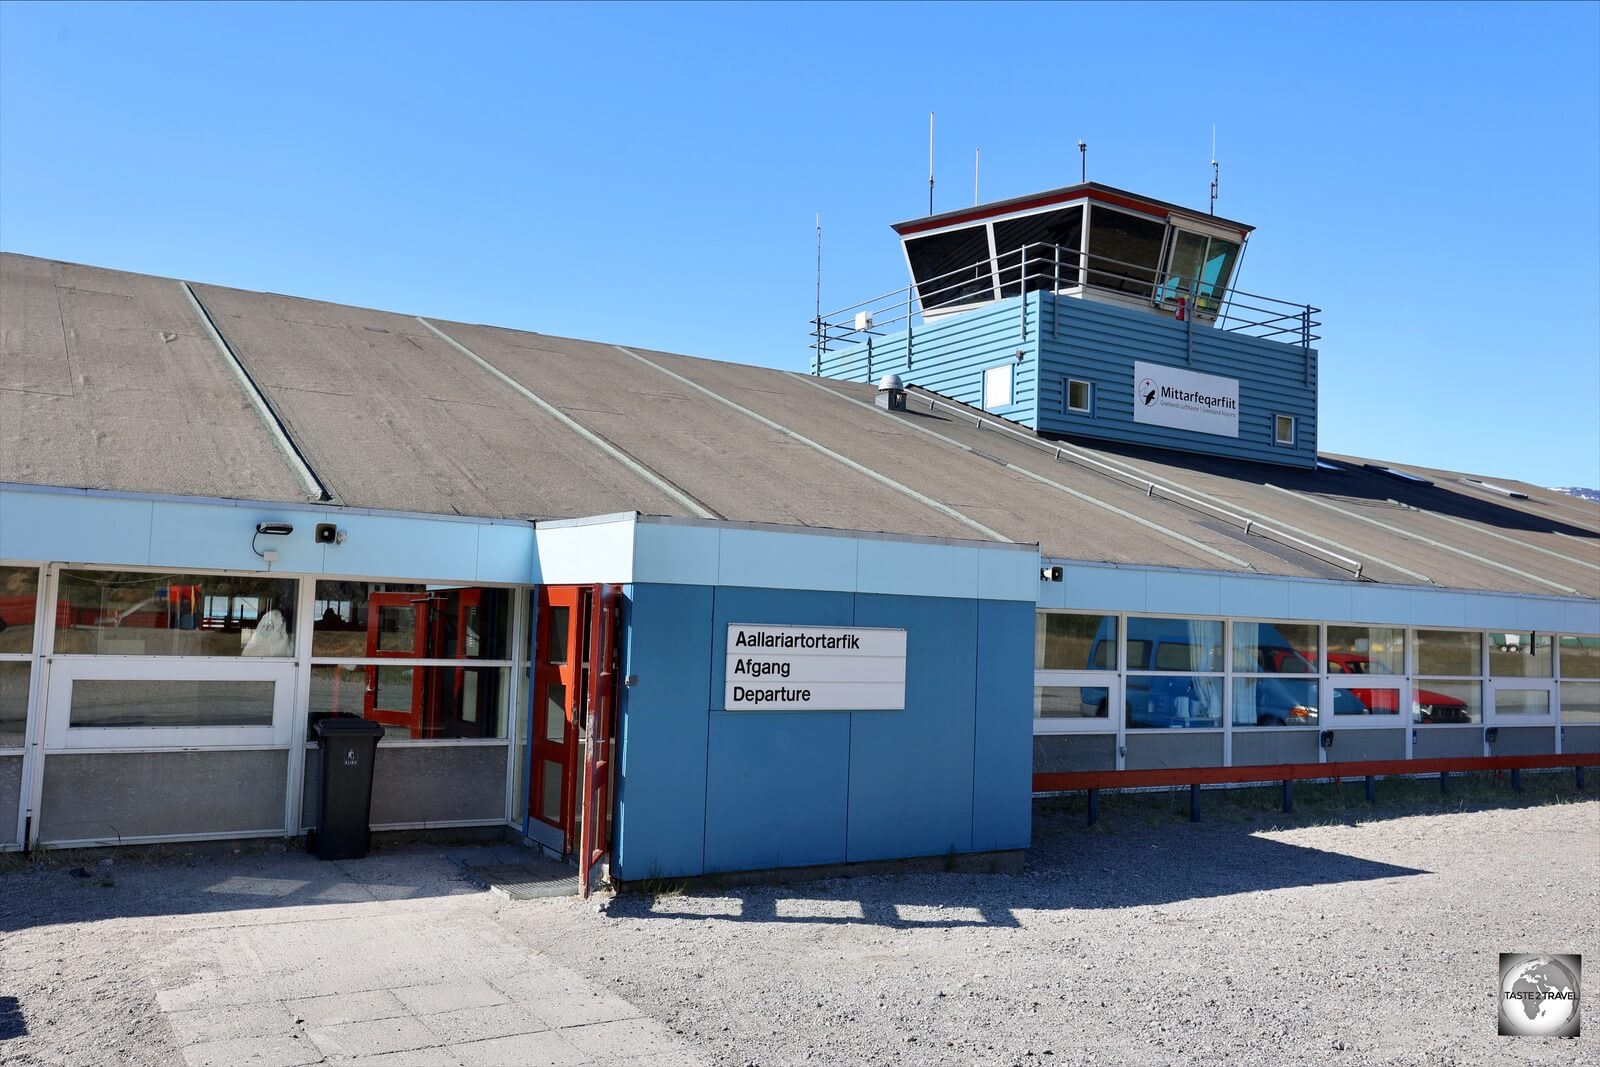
(977,162)
(1083,162)
(930,163)
(817,369)
(1214,171)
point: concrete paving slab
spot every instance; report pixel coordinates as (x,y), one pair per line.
(523,1050)
(449,996)
(422,1057)
(346,1008)
(480,1024)
(206,1025)
(641,1040)
(257,1052)
(370,1038)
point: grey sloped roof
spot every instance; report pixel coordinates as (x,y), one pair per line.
(110,381)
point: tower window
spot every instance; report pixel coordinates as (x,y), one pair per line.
(1080,396)
(1283,430)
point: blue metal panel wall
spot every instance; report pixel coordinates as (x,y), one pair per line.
(1099,342)
(661,771)
(950,355)
(702,789)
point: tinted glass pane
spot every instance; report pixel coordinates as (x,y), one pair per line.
(1274,648)
(952,268)
(557,641)
(550,791)
(187,702)
(1185,257)
(1173,700)
(1124,251)
(413,701)
(1071,702)
(1374,701)
(1449,652)
(1275,702)
(1580,657)
(1521,702)
(430,622)
(555,712)
(14,679)
(1077,396)
(19,593)
(1074,642)
(1041,235)
(1366,650)
(1580,702)
(1434,701)
(131,614)
(1177,644)
(1215,273)
(1521,656)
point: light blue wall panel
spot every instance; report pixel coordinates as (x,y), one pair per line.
(777,560)
(911,784)
(585,552)
(661,774)
(1180,593)
(1316,600)
(678,553)
(204,535)
(1379,603)
(914,569)
(777,793)
(1002,769)
(74,527)
(1008,575)
(1097,588)
(1579,618)
(1261,598)
(505,554)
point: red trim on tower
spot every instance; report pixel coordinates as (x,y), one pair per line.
(939,222)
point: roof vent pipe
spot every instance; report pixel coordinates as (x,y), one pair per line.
(891,393)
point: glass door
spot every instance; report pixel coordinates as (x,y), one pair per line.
(557,700)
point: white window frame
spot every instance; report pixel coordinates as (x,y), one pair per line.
(1223,676)
(1066,395)
(1551,687)
(1236,676)
(1110,681)
(1294,431)
(61,736)
(1011,386)
(1420,681)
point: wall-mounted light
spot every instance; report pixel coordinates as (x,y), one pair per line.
(269,529)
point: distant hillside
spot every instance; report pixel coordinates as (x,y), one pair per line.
(1581,494)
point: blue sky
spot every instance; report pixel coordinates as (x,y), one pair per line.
(1429,175)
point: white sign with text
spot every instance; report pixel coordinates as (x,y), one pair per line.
(1185,399)
(815,668)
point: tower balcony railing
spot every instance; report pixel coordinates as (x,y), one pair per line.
(1066,272)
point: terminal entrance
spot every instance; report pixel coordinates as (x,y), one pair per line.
(573,721)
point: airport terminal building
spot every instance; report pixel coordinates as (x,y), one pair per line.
(1050,517)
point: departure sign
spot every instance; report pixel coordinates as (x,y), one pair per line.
(815,668)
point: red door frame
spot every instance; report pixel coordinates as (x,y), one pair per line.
(567,673)
(376,603)
(595,835)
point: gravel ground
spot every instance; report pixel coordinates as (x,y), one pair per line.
(1144,940)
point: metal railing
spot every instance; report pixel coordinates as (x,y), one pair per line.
(1067,271)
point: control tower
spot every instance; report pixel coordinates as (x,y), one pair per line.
(1092,312)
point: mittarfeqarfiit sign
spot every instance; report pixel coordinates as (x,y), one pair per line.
(815,668)
(1185,400)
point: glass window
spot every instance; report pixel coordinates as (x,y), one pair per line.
(1434,701)
(1449,652)
(1580,702)
(1186,255)
(1366,650)
(1177,644)
(1580,657)
(1216,272)
(134,614)
(952,268)
(14,678)
(1374,701)
(1124,250)
(364,619)
(1275,702)
(1520,656)
(1040,235)
(413,701)
(1283,429)
(1071,702)
(19,594)
(559,621)
(1275,648)
(1074,642)
(1079,395)
(137,702)
(1173,701)
(1521,702)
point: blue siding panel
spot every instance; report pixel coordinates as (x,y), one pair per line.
(661,770)
(1099,343)
(1002,770)
(911,770)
